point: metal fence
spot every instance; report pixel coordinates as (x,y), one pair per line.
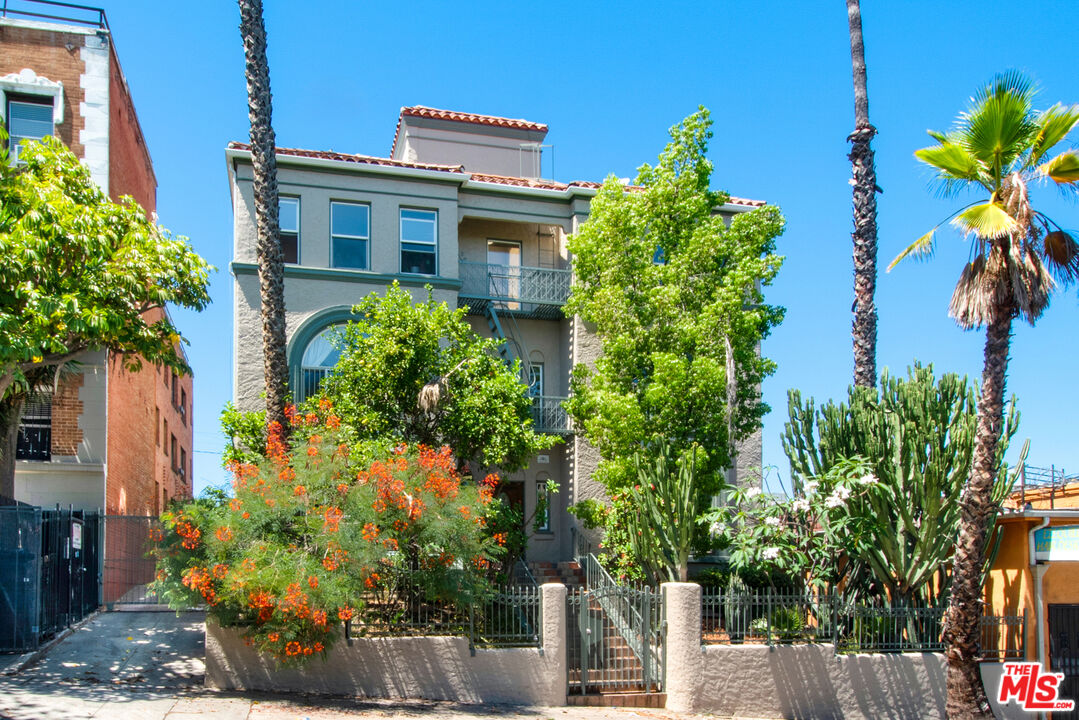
(128,567)
(508,618)
(864,627)
(49,572)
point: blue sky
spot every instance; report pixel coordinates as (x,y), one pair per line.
(609,79)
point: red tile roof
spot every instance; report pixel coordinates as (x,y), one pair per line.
(453,115)
(507,180)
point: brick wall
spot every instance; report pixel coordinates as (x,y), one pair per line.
(130,170)
(129,483)
(66,408)
(45,52)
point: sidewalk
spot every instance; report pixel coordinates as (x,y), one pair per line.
(149,666)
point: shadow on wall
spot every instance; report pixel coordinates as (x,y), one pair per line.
(436,668)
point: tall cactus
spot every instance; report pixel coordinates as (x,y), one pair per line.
(662,530)
(917,436)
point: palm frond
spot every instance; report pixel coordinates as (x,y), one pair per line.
(1061,255)
(987,220)
(1054,125)
(1001,125)
(1031,285)
(952,162)
(1063,169)
(971,299)
(920,249)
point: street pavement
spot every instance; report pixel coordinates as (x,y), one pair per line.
(149,666)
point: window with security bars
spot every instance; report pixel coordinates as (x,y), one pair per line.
(35,430)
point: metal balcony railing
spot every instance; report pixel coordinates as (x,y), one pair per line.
(53,11)
(548,415)
(514,285)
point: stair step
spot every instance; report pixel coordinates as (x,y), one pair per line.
(620,699)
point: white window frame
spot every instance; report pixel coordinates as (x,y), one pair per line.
(402,241)
(295,199)
(334,237)
(27,83)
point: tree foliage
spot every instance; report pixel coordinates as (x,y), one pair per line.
(396,348)
(321,532)
(82,272)
(674,293)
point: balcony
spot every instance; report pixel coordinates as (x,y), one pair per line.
(526,291)
(548,415)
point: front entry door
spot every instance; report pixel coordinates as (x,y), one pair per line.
(1064,652)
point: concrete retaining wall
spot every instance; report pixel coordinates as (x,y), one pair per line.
(799,681)
(436,668)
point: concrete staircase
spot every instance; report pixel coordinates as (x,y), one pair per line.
(569,573)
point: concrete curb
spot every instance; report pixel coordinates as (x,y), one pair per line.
(27,659)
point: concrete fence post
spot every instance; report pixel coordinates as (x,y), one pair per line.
(682,608)
(553,640)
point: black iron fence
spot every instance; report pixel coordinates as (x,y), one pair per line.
(49,572)
(851,626)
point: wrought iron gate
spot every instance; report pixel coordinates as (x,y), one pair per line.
(1064,652)
(129,568)
(616,636)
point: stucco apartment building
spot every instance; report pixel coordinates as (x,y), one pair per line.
(104,438)
(459,205)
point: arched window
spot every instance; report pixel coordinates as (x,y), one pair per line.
(319,358)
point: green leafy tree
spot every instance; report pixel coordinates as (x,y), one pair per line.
(999,147)
(79,273)
(674,293)
(418,373)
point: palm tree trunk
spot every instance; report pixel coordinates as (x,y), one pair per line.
(864,170)
(962,622)
(270,258)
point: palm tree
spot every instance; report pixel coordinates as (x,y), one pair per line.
(270,258)
(864,169)
(999,146)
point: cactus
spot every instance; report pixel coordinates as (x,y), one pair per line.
(916,435)
(663,528)
(735,611)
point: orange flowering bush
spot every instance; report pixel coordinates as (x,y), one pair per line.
(318,531)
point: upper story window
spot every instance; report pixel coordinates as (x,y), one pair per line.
(419,241)
(27,119)
(183,406)
(35,429)
(288,214)
(350,233)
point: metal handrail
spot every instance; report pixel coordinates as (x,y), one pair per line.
(101,22)
(513,284)
(548,415)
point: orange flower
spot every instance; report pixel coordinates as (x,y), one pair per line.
(345,613)
(246,515)
(329,563)
(370,532)
(220,571)
(224,534)
(292,648)
(312,451)
(248,564)
(156,535)
(307,651)
(273,637)
(313,582)
(299,490)
(325,404)
(319,647)
(333,422)
(318,617)
(310,418)
(342,488)
(235,504)
(162,575)
(287,474)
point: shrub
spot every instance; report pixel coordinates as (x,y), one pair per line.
(317,529)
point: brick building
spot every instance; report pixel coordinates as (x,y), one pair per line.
(104,437)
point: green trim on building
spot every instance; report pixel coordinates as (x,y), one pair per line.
(354,276)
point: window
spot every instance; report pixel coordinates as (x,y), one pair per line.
(183,462)
(419,241)
(166,436)
(535,379)
(157,426)
(288,214)
(175,398)
(27,119)
(183,406)
(319,358)
(35,430)
(504,272)
(350,229)
(175,459)
(543,504)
